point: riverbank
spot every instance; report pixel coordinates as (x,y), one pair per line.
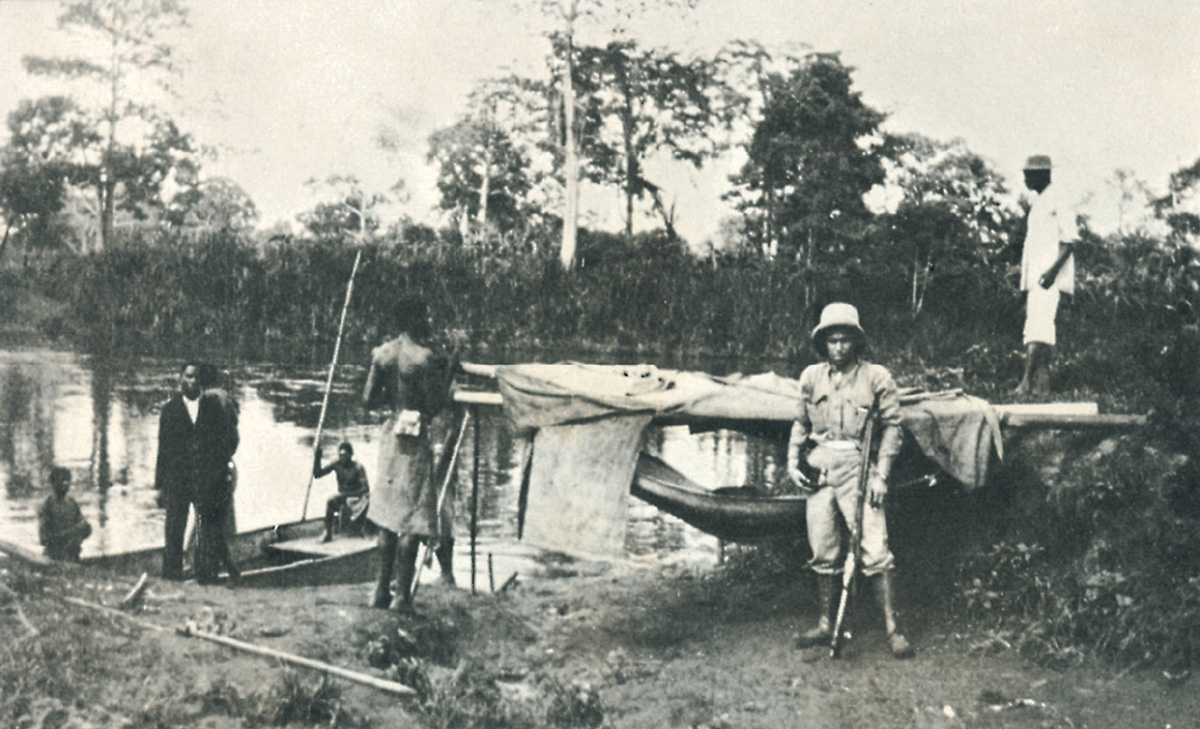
(587,645)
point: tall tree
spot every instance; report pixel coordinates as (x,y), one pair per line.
(952,212)
(646,102)
(123,40)
(484,160)
(810,162)
(566,17)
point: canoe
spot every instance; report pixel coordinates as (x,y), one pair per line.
(285,555)
(734,515)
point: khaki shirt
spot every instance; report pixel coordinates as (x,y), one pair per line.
(835,406)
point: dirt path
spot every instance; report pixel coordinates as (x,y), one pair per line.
(627,646)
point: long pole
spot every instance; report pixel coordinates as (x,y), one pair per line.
(441,500)
(474,498)
(337,348)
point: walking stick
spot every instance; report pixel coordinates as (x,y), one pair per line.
(441,500)
(337,347)
(854,553)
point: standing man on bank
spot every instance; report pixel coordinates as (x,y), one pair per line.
(838,396)
(1047,272)
(197,437)
(412,383)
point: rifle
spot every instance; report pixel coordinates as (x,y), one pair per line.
(854,553)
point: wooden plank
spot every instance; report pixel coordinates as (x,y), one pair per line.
(1047,408)
(1048,421)
(478,398)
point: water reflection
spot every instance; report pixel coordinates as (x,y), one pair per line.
(100,419)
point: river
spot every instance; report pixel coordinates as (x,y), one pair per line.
(99,419)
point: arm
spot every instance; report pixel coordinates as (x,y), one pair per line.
(320,471)
(890,438)
(1047,279)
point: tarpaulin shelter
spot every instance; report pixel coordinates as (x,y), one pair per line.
(586,421)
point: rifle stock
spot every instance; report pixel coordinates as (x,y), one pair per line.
(854,552)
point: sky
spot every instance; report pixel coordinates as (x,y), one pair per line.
(290,90)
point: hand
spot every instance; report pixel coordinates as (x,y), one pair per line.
(802,482)
(876,491)
(1046,281)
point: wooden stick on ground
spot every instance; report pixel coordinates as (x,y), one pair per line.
(25,555)
(135,595)
(189,631)
(33,631)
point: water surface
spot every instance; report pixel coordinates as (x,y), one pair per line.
(99,419)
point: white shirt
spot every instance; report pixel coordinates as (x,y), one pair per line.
(1049,224)
(192,407)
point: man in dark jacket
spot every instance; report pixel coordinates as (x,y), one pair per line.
(197,437)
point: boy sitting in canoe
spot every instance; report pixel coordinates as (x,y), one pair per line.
(61,526)
(352,484)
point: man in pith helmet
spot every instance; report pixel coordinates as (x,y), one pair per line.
(1047,272)
(837,396)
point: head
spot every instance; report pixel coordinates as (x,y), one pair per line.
(345,452)
(1037,172)
(189,379)
(412,318)
(207,376)
(60,480)
(839,337)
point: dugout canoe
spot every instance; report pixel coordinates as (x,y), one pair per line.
(284,555)
(735,515)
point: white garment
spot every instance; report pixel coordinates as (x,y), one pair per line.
(1048,226)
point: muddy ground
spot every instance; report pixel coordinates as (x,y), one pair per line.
(583,644)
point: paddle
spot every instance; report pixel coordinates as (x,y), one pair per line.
(337,347)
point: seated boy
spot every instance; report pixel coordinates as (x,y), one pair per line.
(352,487)
(61,526)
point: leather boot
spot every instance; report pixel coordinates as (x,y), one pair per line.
(445,559)
(822,634)
(884,592)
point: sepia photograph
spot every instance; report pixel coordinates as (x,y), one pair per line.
(599,364)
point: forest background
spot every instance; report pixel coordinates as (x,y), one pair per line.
(118,242)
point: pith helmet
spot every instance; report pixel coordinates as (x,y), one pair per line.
(838,315)
(1038,162)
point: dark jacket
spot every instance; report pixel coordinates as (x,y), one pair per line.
(193,459)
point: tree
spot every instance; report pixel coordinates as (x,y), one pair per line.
(127,42)
(484,160)
(1178,207)
(645,102)
(35,167)
(810,161)
(351,210)
(214,204)
(952,214)
(566,17)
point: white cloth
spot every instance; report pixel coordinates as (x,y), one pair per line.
(1048,226)
(1041,306)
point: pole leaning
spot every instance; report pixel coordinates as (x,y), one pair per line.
(337,348)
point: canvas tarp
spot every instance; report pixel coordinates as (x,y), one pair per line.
(604,407)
